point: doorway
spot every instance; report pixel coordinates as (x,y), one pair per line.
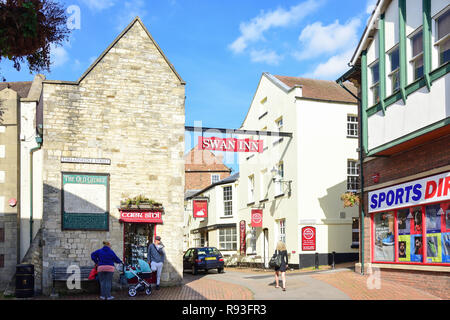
(137,237)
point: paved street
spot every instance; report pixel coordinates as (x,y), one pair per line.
(251,284)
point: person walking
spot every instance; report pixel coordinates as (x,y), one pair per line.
(155,257)
(104,259)
(281,250)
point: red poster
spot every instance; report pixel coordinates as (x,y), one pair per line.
(257,217)
(242,237)
(141,216)
(309,239)
(200,208)
(230,144)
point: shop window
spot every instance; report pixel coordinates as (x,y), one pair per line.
(137,237)
(375,87)
(227,239)
(384,237)
(228,201)
(417,54)
(421,236)
(394,74)
(443,37)
(352,126)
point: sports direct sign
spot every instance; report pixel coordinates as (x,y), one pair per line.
(418,192)
(230,144)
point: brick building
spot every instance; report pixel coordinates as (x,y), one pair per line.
(401,67)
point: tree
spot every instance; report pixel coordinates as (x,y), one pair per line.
(28,28)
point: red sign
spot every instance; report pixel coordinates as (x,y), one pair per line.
(200,208)
(257,217)
(230,144)
(308,239)
(243,235)
(141,216)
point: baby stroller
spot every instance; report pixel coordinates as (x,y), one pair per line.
(139,278)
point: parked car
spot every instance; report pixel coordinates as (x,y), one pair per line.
(203,259)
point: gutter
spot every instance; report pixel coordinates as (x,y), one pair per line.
(32,151)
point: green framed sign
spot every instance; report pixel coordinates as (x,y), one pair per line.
(85,201)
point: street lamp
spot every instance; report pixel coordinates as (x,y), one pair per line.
(276,173)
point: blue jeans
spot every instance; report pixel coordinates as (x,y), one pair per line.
(105,279)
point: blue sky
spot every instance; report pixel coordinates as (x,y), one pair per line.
(220,48)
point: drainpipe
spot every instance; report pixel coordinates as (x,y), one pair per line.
(32,151)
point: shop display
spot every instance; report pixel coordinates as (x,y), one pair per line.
(384,237)
(137,238)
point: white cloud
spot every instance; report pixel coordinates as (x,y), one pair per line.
(58,56)
(253,31)
(266,56)
(131,9)
(370,6)
(333,67)
(99,5)
(318,39)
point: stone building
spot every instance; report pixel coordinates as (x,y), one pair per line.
(116,133)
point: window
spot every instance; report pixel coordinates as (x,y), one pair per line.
(394,74)
(375,88)
(417,54)
(251,189)
(421,236)
(215,178)
(352,126)
(278,179)
(262,185)
(443,37)
(355,233)
(228,201)
(282,230)
(279,124)
(352,176)
(227,239)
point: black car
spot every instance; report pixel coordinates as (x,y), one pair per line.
(203,259)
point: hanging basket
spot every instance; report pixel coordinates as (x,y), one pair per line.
(350,199)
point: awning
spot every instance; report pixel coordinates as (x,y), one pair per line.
(141,216)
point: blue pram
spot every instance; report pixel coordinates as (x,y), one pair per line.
(139,278)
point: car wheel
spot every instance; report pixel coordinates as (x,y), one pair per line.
(194,270)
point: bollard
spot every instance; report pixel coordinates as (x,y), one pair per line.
(333,263)
(316,260)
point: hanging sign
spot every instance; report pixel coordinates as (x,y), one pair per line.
(419,192)
(308,239)
(141,216)
(257,217)
(230,144)
(200,208)
(242,237)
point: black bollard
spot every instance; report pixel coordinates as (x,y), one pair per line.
(333,263)
(316,260)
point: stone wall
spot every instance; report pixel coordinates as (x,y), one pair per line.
(128,108)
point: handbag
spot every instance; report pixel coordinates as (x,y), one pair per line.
(93,273)
(275,261)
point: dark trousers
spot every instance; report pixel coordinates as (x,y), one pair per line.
(105,279)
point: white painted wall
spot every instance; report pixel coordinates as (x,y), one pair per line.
(423,108)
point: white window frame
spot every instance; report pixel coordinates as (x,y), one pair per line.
(419,56)
(214,175)
(445,39)
(352,125)
(251,188)
(353,174)
(282,230)
(228,239)
(375,84)
(396,71)
(227,201)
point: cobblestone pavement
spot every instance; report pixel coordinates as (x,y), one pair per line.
(255,284)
